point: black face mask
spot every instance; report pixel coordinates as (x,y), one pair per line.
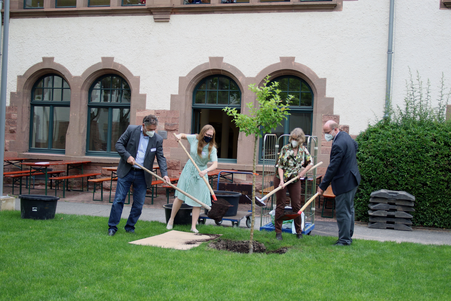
(207,139)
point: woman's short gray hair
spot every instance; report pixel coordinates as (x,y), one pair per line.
(150,120)
(297,134)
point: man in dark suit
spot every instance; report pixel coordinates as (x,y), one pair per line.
(343,174)
(138,144)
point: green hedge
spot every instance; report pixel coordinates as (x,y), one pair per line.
(413,156)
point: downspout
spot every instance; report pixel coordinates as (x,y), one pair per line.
(4,56)
(389,60)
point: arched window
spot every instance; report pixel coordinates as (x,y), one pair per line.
(210,96)
(50,111)
(301,107)
(108,114)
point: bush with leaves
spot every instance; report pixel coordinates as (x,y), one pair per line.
(410,151)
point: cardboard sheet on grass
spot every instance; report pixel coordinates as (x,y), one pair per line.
(178,240)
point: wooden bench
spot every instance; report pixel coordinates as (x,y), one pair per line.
(62,179)
(328,196)
(17,176)
(99,181)
(158,182)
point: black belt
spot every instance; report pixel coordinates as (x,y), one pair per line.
(136,168)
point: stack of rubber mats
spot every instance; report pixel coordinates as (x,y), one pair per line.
(390,209)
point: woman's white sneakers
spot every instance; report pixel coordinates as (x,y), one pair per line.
(194,230)
(169,227)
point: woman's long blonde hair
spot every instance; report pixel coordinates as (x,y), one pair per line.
(201,144)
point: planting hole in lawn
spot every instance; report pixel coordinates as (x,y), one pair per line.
(242,246)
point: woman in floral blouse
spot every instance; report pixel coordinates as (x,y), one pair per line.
(293,157)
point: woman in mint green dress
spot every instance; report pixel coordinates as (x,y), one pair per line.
(203,150)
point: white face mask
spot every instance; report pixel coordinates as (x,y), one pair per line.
(328,137)
(150,133)
(294,143)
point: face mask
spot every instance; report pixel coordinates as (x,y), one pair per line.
(207,139)
(150,133)
(294,143)
(328,137)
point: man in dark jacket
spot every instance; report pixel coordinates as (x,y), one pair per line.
(343,174)
(140,144)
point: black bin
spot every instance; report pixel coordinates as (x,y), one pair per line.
(36,206)
(232,197)
(183,216)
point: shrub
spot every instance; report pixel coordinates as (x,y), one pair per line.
(409,151)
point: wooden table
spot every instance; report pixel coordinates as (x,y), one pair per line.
(219,173)
(43,166)
(15,161)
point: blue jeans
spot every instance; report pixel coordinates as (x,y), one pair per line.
(135,177)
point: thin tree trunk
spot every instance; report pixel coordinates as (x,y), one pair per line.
(254,180)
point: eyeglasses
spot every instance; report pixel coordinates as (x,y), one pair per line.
(209,136)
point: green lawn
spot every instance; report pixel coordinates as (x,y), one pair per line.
(72,258)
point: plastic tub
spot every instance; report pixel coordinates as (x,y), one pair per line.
(232,197)
(183,216)
(35,206)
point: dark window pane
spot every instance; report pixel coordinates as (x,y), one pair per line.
(295,99)
(223,83)
(212,97)
(125,85)
(306,99)
(106,82)
(95,96)
(283,84)
(106,95)
(200,97)
(116,83)
(295,84)
(47,81)
(66,95)
(40,131)
(66,3)
(98,131)
(57,95)
(233,86)
(58,82)
(223,98)
(203,86)
(48,94)
(301,120)
(126,96)
(34,4)
(305,87)
(38,94)
(99,2)
(212,83)
(60,125)
(121,119)
(115,96)
(235,98)
(133,2)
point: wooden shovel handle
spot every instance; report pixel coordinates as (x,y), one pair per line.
(290,181)
(195,165)
(175,187)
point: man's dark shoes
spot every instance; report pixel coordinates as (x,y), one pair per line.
(299,235)
(132,231)
(111,232)
(339,243)
(279,236)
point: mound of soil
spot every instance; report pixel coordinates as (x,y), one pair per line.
(242,246)
(218,209)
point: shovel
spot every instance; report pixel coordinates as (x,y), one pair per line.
(261,200)
(286,217)
(198,170)
(175,187)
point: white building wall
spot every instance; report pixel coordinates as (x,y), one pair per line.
(348,48)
